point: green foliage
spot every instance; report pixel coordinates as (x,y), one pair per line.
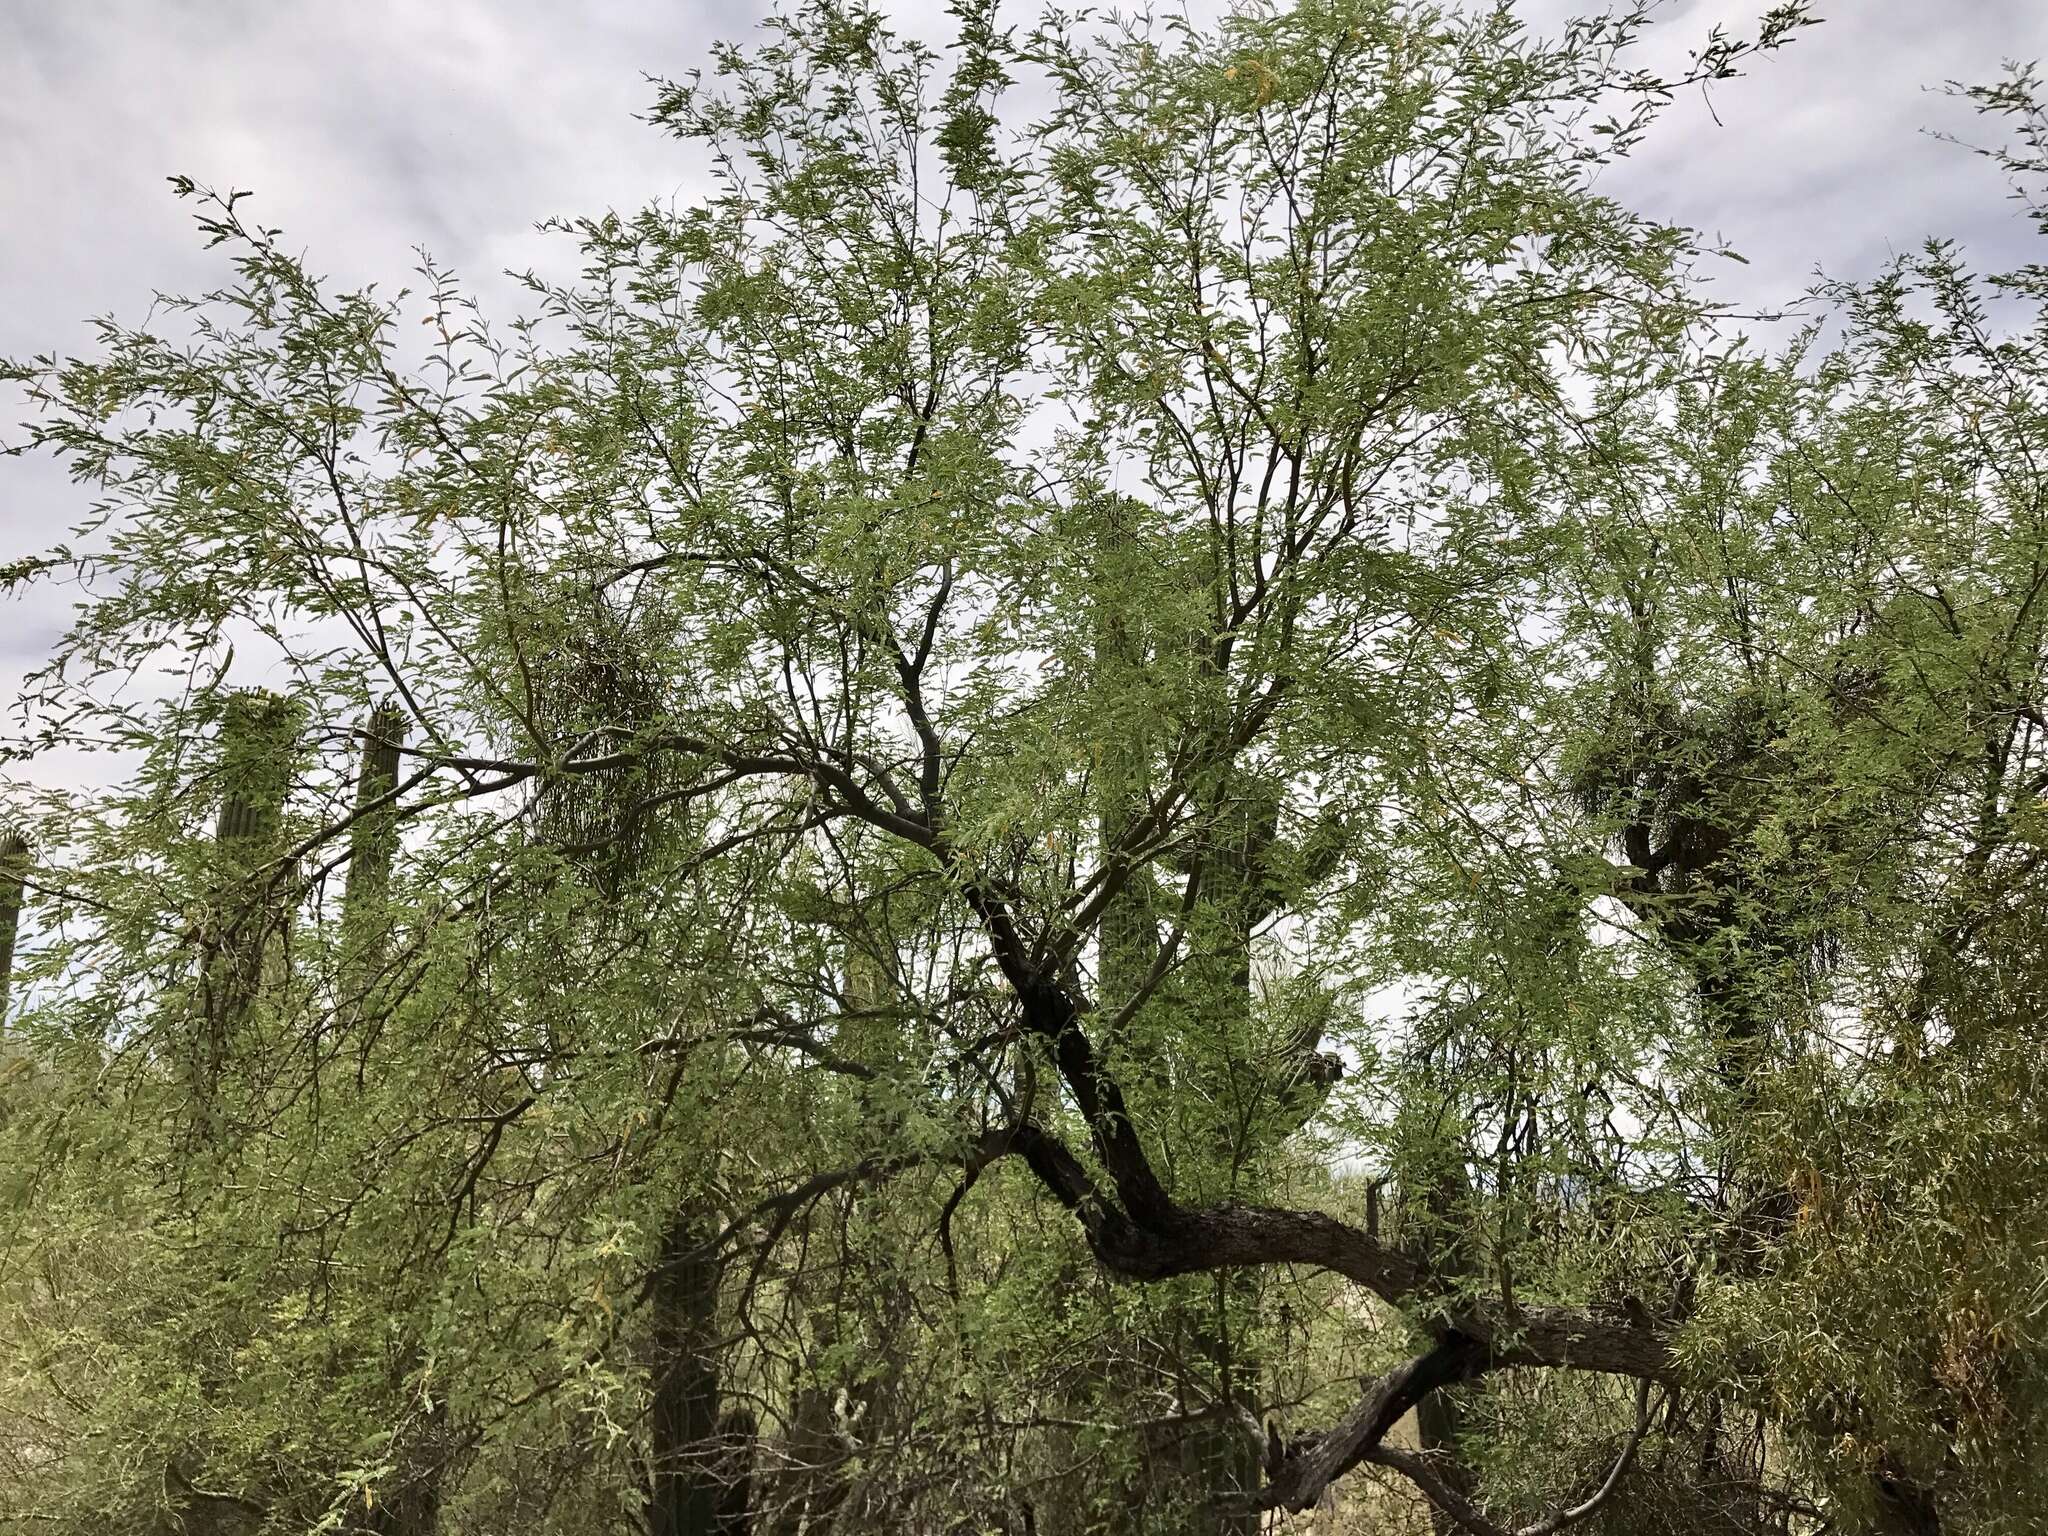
(1025,823)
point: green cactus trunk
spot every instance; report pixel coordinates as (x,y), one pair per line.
(14,865)
(258,733)
(244,916)
(373,850)
(700,1461)
(1215,1457)
(1221,1457)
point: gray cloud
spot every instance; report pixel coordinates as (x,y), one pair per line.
(366,129)
(1824,155)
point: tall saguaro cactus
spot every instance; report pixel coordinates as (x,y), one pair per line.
(257,733)
(373,849)
(244,911)
(14,861)
(1262,1095)
(410,1503)
(601,673)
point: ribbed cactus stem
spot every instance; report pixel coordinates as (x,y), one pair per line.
(257,735)
(372,843)
(1215,979)
(1128,938)
(373,849)
(14,862)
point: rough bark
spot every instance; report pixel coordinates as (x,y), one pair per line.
(682,1438)
(1740,947)
(1904,1507)
(737,1436)
(408,1506)
(1308,1469)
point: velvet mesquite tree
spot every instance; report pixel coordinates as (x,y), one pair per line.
(863,806)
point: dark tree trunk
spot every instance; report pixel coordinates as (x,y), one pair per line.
(1905,1508)
(410,1506)
(737,1433)
(683,1440)
(814,1486)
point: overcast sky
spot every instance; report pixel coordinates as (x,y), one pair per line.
(368,127)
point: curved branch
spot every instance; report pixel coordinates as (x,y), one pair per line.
(1441,1495)
(1417,1470)
(1308,1469)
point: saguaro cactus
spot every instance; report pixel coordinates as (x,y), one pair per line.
(1266,1090)
(411,1501)
(14,861)
(257,733)
(14,864)
(373,849)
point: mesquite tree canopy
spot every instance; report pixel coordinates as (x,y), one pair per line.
(1150,749)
